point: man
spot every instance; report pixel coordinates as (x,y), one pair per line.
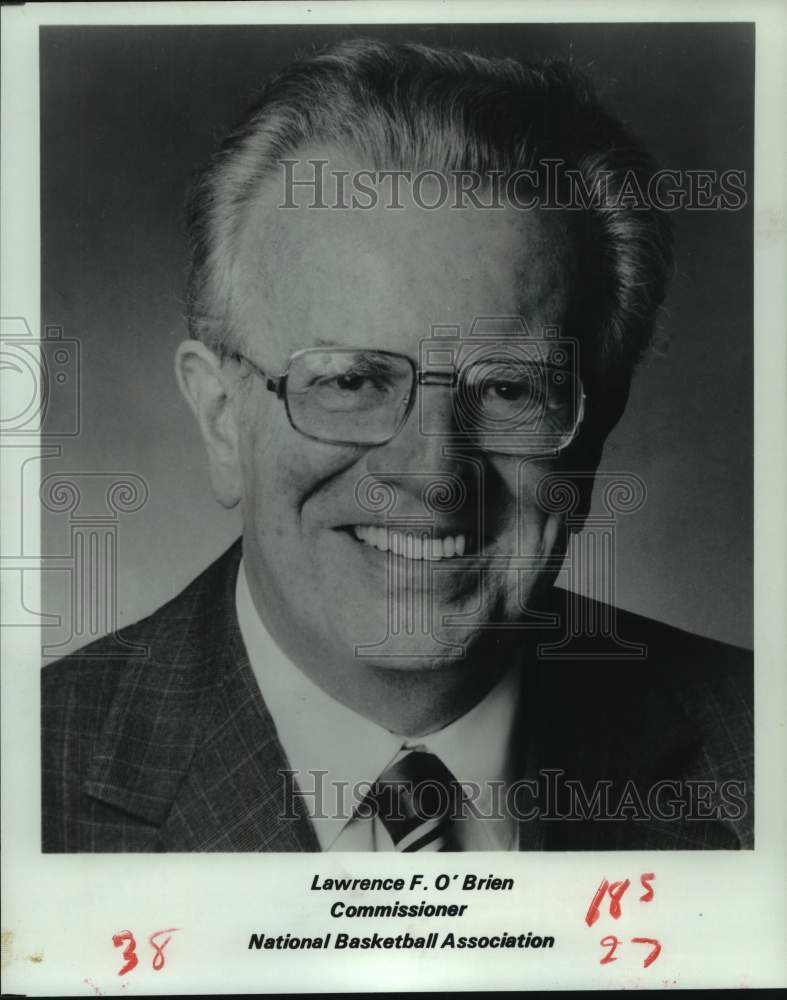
(419,290)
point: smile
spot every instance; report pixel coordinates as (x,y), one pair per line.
(411,545)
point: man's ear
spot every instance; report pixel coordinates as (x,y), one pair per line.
(208,389)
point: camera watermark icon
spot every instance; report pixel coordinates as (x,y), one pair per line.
(516,403)
(514,391)
(42,381)
(516,398)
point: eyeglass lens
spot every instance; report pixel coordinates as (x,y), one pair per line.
(501,402)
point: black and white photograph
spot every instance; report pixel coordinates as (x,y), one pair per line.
(384,439)
(423,270)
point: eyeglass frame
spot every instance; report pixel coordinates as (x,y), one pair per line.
(277,384)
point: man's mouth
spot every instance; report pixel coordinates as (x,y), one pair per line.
(412,544)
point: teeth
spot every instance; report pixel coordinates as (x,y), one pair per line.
(410,545)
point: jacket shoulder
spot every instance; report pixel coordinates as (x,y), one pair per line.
(156,639)
(120,680)
(711,681)
(657,641)
(645,702)
(687,659)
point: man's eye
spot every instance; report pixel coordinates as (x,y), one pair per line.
(512,391)
(356,382)
(350,382)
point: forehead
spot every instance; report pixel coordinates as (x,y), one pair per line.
(383,277)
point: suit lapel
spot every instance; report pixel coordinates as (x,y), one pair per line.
(188,745)
(237,794)
(621,722)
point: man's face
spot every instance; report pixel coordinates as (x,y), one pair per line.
(314,538)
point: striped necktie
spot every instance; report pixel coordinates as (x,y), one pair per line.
(416,799)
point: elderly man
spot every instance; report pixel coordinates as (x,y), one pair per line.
(419,289)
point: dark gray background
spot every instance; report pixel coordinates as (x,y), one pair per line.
(127,113)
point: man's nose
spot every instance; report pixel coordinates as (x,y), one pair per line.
(424,452)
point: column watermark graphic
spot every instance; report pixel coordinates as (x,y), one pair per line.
(42,414)
(590,563)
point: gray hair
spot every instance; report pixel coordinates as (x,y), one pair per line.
(415,107)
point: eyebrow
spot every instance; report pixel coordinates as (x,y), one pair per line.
(369,358)
(371,362)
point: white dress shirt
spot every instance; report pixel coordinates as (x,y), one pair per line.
(319,734)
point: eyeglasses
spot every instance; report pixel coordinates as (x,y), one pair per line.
(502,402)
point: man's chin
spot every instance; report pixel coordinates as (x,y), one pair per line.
(405,657)
(402,641)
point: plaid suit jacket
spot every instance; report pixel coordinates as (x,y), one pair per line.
(172,748)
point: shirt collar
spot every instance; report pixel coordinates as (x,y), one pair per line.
(330,746)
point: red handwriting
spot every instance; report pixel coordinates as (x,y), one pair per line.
(646,878)
(130,954)
(615,892)
(611,942)
(158,958)
(654,954)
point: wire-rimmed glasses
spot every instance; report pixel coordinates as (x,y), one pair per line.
(504,400)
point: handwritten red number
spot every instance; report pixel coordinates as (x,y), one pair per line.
(158,958)
(654,953)
(646,878)
(592,915)
(129,954)
(615,890)
(611,942)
